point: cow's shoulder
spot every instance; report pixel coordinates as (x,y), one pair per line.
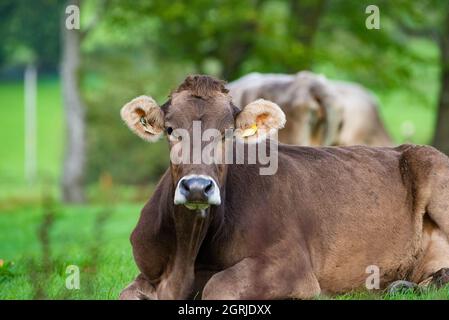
(422,153)
(422,161)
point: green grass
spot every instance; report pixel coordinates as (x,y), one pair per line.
(425,294)
(101,251)
(76,238)
(49,136)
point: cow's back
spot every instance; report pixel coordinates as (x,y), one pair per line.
(257,85)
(362,123)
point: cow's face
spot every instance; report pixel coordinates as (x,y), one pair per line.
(200,121)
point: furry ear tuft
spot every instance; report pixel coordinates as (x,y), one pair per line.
(144,117)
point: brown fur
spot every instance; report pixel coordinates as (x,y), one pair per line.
(201,86)
(313,227)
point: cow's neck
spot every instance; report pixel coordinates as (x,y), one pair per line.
(191,228)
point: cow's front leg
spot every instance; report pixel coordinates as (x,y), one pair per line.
(139,289)
(438,279)
(254,278)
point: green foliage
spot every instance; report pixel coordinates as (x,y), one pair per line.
(26,35)
(194,31)
(280,36)
(112,148)
(6,271)
(148,47)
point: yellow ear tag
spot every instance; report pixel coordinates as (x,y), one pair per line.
(150,130)
(250,131)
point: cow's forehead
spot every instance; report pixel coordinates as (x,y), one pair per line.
(186,95)
(187,107)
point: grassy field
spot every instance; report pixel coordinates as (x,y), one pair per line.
(49,124)
(49,139)
(95,237)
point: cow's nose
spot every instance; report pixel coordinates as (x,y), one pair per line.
(197,189)
(197,192)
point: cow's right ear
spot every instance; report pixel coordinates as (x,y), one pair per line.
(144,117)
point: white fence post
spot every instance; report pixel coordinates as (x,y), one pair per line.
(30,84)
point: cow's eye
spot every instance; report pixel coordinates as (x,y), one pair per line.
(169,130)
(173,135)
(143,121)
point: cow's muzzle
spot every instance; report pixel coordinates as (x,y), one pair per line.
(197,192)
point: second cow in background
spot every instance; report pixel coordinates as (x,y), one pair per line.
(319,111)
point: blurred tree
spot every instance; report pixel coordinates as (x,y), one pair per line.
(276,36)
(305,22)
(264,35)
(429,19)
(74,152)
(204,30)
(75,110)
(112,148)
(23,32)
(441,138)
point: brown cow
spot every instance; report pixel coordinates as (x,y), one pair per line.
(226,232)
(319,111)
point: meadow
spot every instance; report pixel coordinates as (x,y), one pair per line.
(40,237)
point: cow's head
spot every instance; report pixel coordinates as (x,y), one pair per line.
(200,103)
(314,98)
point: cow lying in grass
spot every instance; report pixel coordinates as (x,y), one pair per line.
(223,231)
(319,111)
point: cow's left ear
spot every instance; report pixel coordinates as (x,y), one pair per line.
(258,120)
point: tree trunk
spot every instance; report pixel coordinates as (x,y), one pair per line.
(441,137)
(75,148)
(233,59)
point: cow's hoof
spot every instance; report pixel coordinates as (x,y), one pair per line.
(401,286)
(440,278)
